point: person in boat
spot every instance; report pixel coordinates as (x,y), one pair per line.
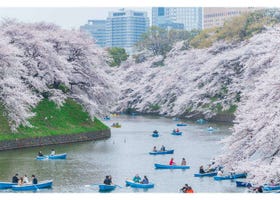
(184,188)
(40,153)
(113,124)
(155,149)
(34,179)
(272,183)
(171,162)
(220,173)
(174,131)
(162,148)
(145,180)
(15,178)
(177,130)
(108,180)
(184,162)
(209,168)
(189,190)
(201,170)
(137,178)
(155,131)
(20,181)
(52,152)
(25,179)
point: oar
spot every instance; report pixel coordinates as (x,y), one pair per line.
(118,186)
(36,187)
(91,185)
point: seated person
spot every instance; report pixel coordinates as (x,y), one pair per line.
(34,179)
(162,148)
(155,149)
(201,170)
(184,162)
(171,162)
(107,180)
(137,178)
(40,153)
(145,180)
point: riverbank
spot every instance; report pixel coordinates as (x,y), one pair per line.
(52,125)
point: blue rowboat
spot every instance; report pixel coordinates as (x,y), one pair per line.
(210,129)
(155,134)
(201,121)
(229,177)
(162,152)
(6,185)
(205,174)
(104,187)
(160,166)
(52,157)
(41,185)
(243,184)
(138,185)
(176,133)
(271,187)
(182,124)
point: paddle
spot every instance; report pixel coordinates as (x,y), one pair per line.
(91,185)
(118,186)
(36,187)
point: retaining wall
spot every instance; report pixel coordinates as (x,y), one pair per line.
(57,139)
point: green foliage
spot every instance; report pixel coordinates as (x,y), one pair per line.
(158,63)
(154,107)
(130,110)
(50,120)
(4,123)
(117,55)
(236,29)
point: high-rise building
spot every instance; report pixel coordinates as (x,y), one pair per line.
(214,17)
(125,28)
(97,29)
(191,17)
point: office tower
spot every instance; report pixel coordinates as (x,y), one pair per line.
(97,29)
(125,28)
(191,17)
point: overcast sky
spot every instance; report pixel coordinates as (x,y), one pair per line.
(64,17)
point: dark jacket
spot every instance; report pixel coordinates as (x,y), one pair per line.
(34,181)
(15,179)
(107,181)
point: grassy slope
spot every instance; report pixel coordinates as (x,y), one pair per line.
(50,120)
(4,124)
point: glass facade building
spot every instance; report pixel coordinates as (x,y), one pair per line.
(125,27)
(97,29)
(191,17)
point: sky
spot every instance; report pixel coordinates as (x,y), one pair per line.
(72,14)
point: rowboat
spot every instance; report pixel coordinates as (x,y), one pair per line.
(162,152)
(243,184)
(43,184)
(104,187)
(160,166)
(6,185)
(155,134)
(131,183)
(176,133)
(229,177)
(52,157)
(201,121)
(271,187)
(116,126)
(182,124)
(205,174)
(210,129)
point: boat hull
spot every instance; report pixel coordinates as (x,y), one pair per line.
(181,124)
(52,157)
(162,152)
(155,135)
(176,133)
(138,185)
(6,185)
(269,188)
(104,188)
(206,174)
(160,166)
(243,184)
(235,176)
(43,184)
